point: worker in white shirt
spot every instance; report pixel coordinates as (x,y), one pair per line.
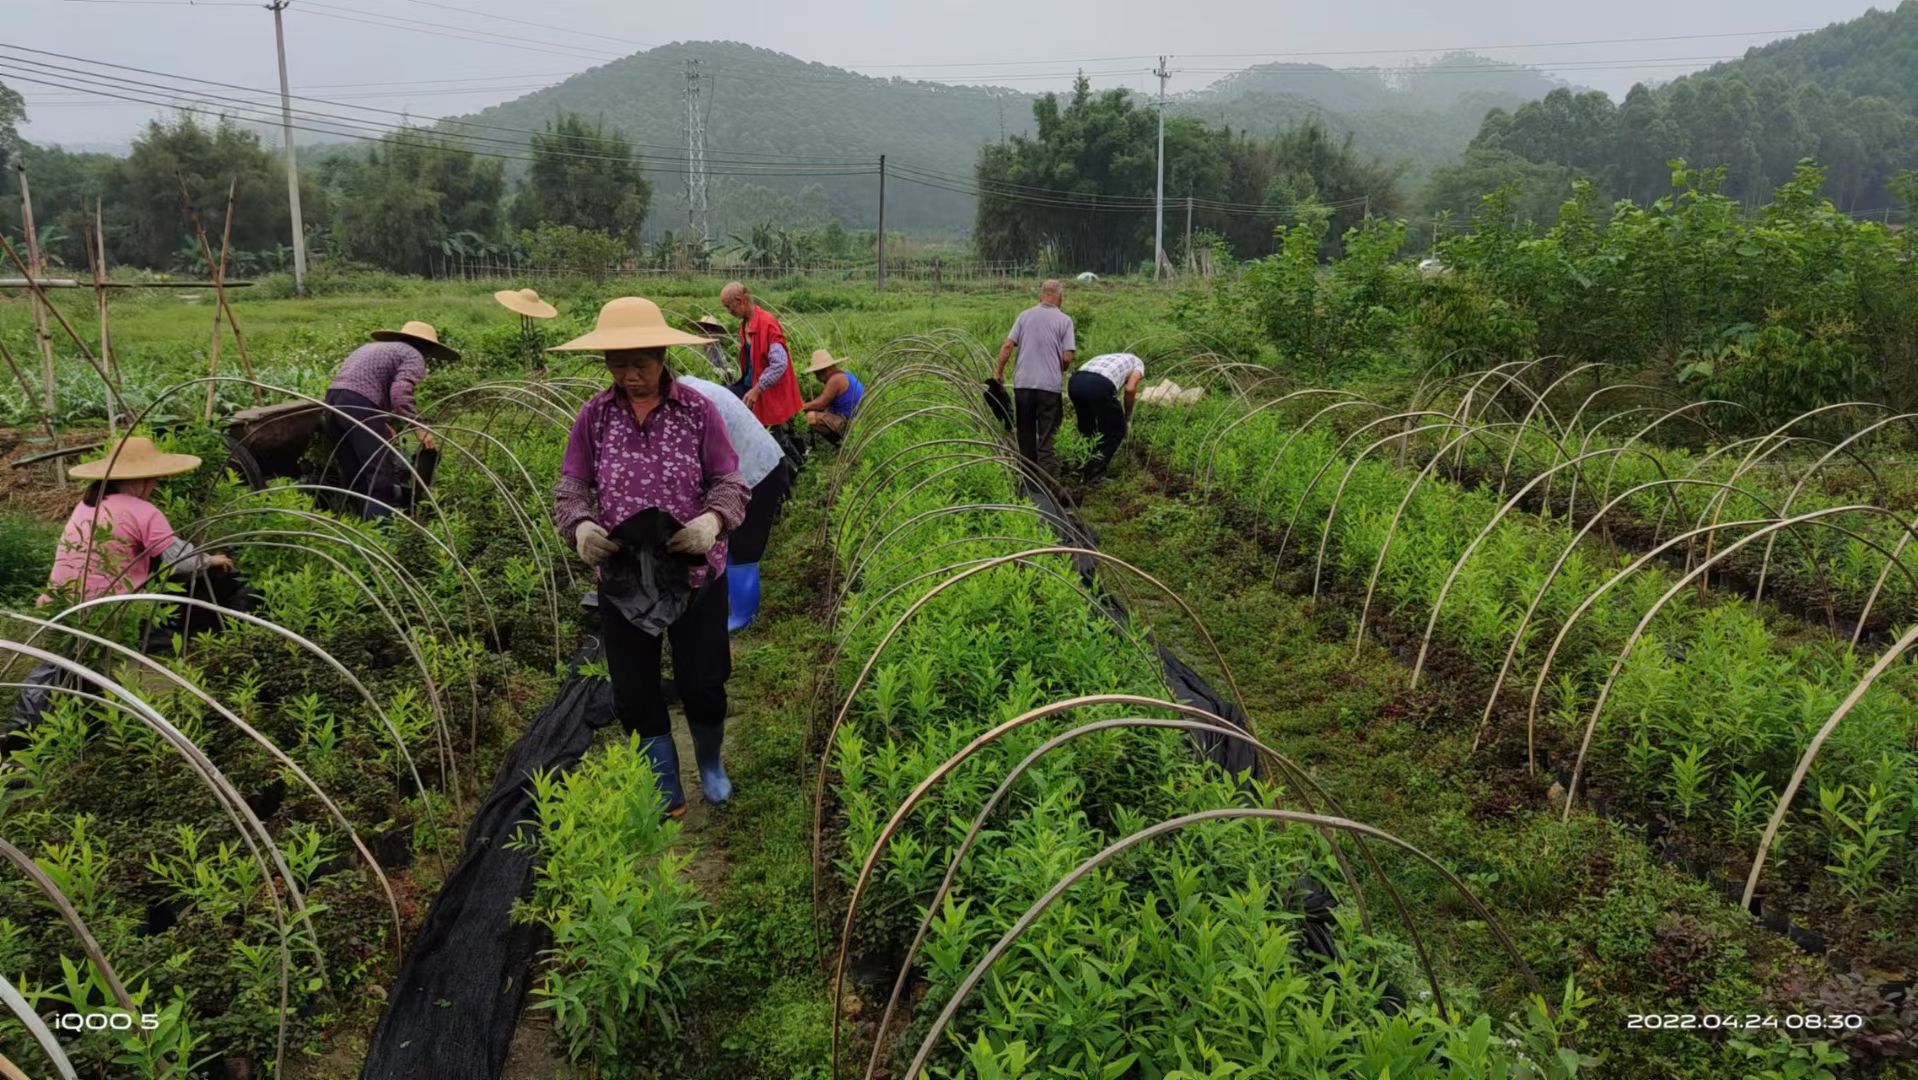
(1096,390)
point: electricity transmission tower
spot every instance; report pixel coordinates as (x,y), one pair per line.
(697,206)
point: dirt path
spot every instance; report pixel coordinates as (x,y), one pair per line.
(761,1011)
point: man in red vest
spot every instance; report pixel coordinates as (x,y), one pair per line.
(772,390)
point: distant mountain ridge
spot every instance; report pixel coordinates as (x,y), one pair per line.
(766,102)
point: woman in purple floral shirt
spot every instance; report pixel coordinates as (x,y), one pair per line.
(649,443)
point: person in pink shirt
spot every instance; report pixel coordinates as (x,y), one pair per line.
(116,539)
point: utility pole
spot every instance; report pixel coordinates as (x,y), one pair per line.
(882,221)
(292,161)
(697,205)
(1158,209)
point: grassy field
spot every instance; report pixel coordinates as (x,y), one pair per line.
(162,337)
(1602,906)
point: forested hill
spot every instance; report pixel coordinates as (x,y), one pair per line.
(768,102)
(762,100)
(1421,117)
(1846,96)
(1874,55)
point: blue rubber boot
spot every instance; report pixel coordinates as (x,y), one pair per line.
(664,755)
(713,781)
(742,587)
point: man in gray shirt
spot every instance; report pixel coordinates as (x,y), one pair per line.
(1042,336)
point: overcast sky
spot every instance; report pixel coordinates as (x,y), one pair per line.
(440,57)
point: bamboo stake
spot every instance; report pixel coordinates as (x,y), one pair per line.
(100,297)
(219,280)
(219,306)
(100,286)
(79,343)
(41,336)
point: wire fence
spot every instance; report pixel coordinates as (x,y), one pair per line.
(934,272)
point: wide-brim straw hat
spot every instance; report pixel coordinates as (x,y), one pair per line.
(525,302)
(630,322)
(134,458)
(710,322)
(821,360)
(421,336)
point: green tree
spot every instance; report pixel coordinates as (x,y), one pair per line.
(1571,130)
(64,187)
(13,110)
(1647,139)
(1079,191)
(585,177)
(412,196)
(147,221)
(1311,166)
(1537,188)
(569,248)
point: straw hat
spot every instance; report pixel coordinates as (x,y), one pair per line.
(821,360)
(136,459)
(421,336)
(630,322)
(525,302)
(710,322)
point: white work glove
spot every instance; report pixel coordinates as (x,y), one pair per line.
(594,545)
(698,537)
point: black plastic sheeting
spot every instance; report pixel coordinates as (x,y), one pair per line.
(452,1012)
(1311,899)
(1188,686)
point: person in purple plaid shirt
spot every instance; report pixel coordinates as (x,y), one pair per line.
(373,389)
(650,442)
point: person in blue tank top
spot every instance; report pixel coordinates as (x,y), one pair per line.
(830,413)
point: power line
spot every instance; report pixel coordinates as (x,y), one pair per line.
(561,50)
(412,138)
(1515,45)
(742,156)
(595,35)
(383,96)
(1606,64)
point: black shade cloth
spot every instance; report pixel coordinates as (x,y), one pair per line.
(647,584)
(425,463)
(794,449)
(452,1012)
(999,401)
(1188,686)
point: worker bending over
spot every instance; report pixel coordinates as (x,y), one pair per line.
(840,392)
(372,391)
(762,463)
(116,539)
(1096,389)
(723,366)
(1043,338)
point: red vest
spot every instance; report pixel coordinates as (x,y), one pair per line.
(756,339)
